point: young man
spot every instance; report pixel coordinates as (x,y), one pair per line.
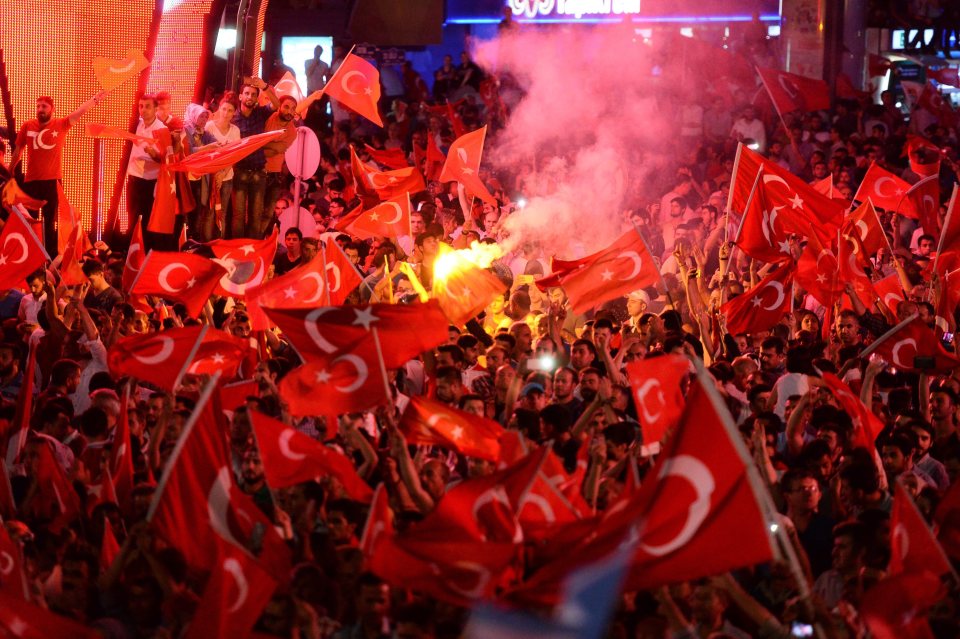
(101,296)
(143,169)
(249,177)
(44,139)
(293,258)
(274,152)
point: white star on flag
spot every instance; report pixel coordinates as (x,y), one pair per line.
(606,275)
(191,282)
(322,377)
(218,358)
(756,301)
(821,278)
(457,432)
(248,249)
(374,216)
(289,292)
(365,318)
(784,246)
(796,202)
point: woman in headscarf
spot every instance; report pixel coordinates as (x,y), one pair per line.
(195,138)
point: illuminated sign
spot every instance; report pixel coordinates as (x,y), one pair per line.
(577,8)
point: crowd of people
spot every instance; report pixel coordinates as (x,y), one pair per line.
(528,362)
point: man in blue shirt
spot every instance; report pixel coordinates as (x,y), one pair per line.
(249,174)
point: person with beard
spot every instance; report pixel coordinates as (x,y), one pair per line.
(143,168)
(249,182)
(252,481)
(274,153)
(44,139)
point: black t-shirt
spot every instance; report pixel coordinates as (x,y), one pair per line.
(283,264)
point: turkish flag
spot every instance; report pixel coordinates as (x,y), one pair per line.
(791,92)
(56,500)
(223,157)
(159,358)
(13,579)
(235,395)
(786,191)
(456,122)
(427,422)
(764,228)
(390,184)
(699,491)
(819,273)
(864,224)
(287,85)
(923,204)
(103,493)
(762,306)
(120,462)
(405,330)
(111,73)
(21,251)
(356,85)
(363,180)
(866,425)
(945,75)
(67,222)
(246,262)
(462,288)
(390,218)
(896,607)
(109,547)
(545,508)
(304,287)
(932,101)
(390,158)
(655,384)
(71,273)
(198,491)
(23,415)
(107,132)
(181,277)
(624,266)
(947,518)
(221,352)
(22,620)
(350,379)
(166,206)
(135,257)
(878,65)
(12,196)
(911,339)
(890,291)
(291,457)
(913,548)
(950,234)
(463,164)
(237,591)
(850,256)
(884,189)
(379,522)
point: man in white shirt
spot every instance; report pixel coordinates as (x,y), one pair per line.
(748,127)
(144,165)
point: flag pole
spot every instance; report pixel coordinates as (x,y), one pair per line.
(256,442)
(946,225)
(383,366)
(746,207)
(666,290)
(326,282)
(776,107)
(198,408)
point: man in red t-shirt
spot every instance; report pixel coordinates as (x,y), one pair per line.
(43,139)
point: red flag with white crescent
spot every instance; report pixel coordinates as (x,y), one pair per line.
(657,394)
(427,422)
(356,85)
(222,157)
(21,251)
(463,164)
(910,340)
(791,92)
(181,277)
(390,218)
(913,547)
(762,306)
(159,358)
(884,189)
(246,262)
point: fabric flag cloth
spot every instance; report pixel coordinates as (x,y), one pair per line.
(237,591)
(867,426)
(13,579)
(287,85)
(781,188)
(390,158)
(379,521)
(246,262)
(111,73)
(462,288)
(950,233)
(120,462)
(884,189)
(913,547)
(198,491)
(363,180)
(13,196)
(851,257)
(350,380)
(624,266)
(22,620)
(463,164)
(220,352)
(764,228)
(135,257)
(390,218)
(923,204)
(896,607)
(304,287)
(890,291)
(427,422)
(405,330)
(819,273)
(704,487)
(762,306)
(107,132)
(166,206)
(864,224)
(791,92)
(878,65)
(71,272)
(109,547)
(947,518)
(356,85)
(67,223)
(23,415)
(56,500)
(21,251)
(218,158)
(391,184)
(911,345)
(181,277)
(159,358)
(655,384)
(945,75)
(291,457)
